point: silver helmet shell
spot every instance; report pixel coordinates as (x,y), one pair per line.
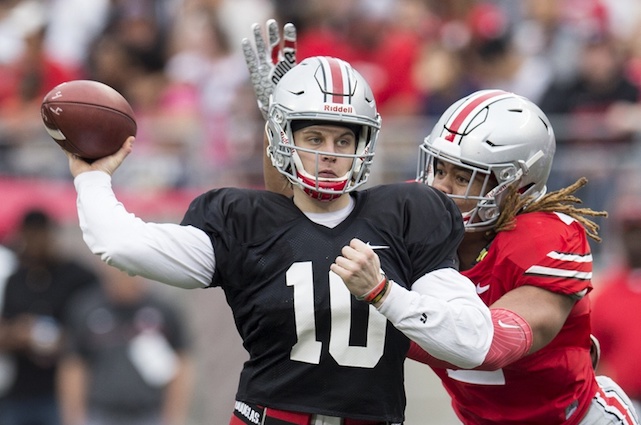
(330,91)
(501,137)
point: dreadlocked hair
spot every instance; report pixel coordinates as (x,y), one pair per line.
(559,201)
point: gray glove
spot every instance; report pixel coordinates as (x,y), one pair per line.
(266,67)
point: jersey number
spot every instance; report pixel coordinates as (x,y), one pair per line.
(307,349)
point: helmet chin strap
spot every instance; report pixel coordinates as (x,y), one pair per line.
(322,189)
(332,188)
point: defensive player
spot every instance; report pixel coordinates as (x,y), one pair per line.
(528,255)
(317,354)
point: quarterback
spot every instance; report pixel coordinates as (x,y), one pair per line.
(320,352)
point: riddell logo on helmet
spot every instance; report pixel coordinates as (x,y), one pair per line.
(332,107)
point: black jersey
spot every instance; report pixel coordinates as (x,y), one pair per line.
(44,291)
(313,347)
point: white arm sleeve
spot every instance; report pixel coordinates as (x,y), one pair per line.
(177,255)
(444,315)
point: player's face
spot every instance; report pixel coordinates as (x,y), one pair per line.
(455,180)
(320,143)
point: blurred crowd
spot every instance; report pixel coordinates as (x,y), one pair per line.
(75,334)
(179,64)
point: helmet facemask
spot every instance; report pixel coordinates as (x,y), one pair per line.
(485,212)
(286,158)
(496,180)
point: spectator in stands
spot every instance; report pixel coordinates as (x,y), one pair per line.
(7,265)
(25,78)
(442,77)
(599,84)
(126,360)
(615,305)
(579,107)
(36,297)
(367,34)
(218,126)
(33,71)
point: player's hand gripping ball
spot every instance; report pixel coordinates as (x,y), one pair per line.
(88,118)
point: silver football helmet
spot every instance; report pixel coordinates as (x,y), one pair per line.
(501,138)
(330,91)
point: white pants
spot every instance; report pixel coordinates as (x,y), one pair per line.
(610,406)
(325,420)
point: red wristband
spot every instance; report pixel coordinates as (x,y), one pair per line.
(375,294)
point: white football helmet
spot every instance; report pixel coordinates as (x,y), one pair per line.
(498,136)
(330,91)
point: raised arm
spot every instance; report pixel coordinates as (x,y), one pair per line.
(267,61)
(169,253)
(274,180)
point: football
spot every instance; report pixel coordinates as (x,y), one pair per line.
(87,118)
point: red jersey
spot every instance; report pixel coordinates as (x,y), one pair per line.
(556,384)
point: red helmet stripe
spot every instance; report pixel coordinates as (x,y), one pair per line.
(468,110)
(336,72)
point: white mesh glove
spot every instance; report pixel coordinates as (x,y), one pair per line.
(266,67)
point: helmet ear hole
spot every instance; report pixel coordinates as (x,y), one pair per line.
(525,188)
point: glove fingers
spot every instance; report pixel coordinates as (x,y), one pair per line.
(269,59)
(289,45)
(289,34)
(261,48)
(250,59)
(257,75)
(274,40)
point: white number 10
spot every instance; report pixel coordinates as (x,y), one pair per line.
(307,349)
